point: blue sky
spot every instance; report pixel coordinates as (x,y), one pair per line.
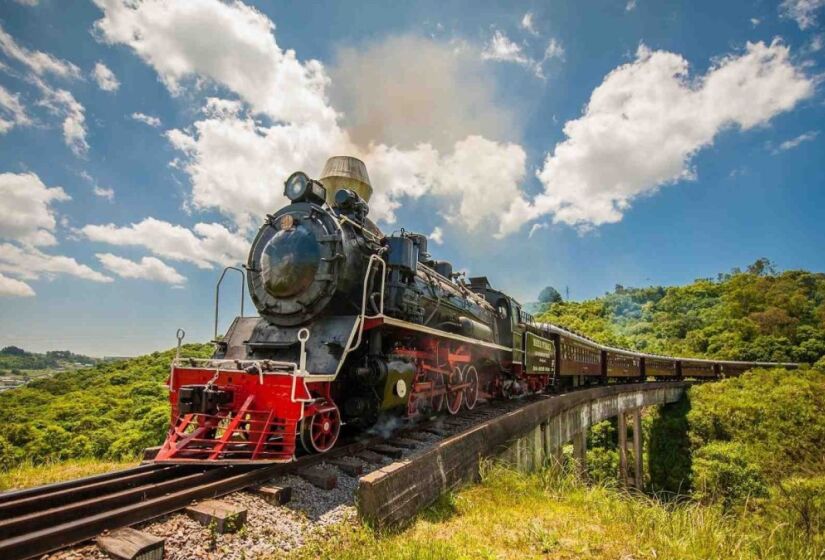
(576,144)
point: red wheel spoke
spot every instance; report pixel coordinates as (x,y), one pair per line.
(320,431)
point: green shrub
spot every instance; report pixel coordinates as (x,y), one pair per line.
(81,446)
(8,457)
(776,414)
(668,449)
(801,502)
(603,466)
(112,410)
(723,473)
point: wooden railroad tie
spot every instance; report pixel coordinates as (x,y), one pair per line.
(348,465)
(131,544)
(372,457)
(317,475)
(275,495)
(388,450)
(418,436)
(406,443)
(436,431)
(222,516)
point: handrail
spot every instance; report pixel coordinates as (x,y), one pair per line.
(218,293)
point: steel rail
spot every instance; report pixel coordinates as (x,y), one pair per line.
(36,521)
(58,486)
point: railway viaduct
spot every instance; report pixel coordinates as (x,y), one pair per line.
(527,438)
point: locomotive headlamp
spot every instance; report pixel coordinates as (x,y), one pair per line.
(300,188)
(296,185)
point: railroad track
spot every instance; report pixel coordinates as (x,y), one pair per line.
(43,519)
(39,520)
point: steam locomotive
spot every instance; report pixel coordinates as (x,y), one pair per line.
(356,327)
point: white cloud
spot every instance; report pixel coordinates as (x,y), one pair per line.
(817,42)
(401,174)
(482,176)
(501,48)
(26,215)
(554,50)
(12,112)
(28,2)
(207,245)
(39,62)
(640,131)
(148,268)
(528,25)
(235,164)
(437,236)
(476,179)
(794,142)
(58,101)
(537,227)
(644,124)
(108,194)
(630,6)
(755,21)
(229,43)
(147,119)
(14,288)
(238,166)
(378,88)
(62,103)
(105,78)
(29,263)
(27,220)
(803,12)
(102,192)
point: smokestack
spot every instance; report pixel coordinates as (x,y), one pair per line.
(346,172)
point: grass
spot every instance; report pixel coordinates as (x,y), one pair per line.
(27,475)
(552,515)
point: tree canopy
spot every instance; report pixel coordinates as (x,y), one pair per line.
(758,314)
(549,295)
(112,410)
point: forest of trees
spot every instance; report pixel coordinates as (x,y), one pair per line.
(112,411)
(756,314)
(13,358)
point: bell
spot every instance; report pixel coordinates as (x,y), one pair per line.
(346,172)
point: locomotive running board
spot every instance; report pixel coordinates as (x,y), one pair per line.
(376,321)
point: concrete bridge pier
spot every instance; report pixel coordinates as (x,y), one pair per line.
(639,475)
(622,428)
(637,479)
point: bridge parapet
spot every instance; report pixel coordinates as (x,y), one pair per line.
(526,437)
